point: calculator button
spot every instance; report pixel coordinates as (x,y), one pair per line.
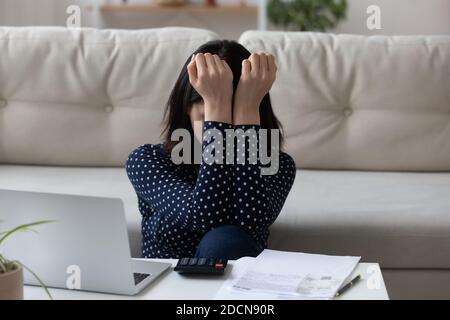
(193,261)
(184,261)
(201,261)
(219,265)
(211,262)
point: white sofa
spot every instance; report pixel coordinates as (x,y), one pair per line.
(367,121)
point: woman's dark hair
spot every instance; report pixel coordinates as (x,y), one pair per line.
(183,95)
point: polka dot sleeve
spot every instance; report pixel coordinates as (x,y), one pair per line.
(258,199)
(181,201)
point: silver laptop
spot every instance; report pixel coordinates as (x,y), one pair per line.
(85,248)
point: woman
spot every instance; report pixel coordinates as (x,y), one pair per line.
(211,209)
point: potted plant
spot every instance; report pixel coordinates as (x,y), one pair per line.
(307,15)
(11,271)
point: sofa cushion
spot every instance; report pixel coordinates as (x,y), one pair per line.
(86,97)
(361,103)
(401,220)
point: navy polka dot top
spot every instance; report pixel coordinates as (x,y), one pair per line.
(179,206)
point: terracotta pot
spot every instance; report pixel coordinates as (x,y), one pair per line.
(11,285)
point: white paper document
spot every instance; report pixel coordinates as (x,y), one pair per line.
(271,282)
(287,275)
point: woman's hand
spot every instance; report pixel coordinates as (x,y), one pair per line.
(212,78)
(258,75)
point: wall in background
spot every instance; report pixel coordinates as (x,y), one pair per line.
(53,12)
(398,17)
(46,12)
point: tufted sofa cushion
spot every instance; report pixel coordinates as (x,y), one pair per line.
(86,97)
(361,103)
(399,219)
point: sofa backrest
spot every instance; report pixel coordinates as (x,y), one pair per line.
(361,103)
(86,97)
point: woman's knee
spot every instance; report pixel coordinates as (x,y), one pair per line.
(227,234)
(227,241)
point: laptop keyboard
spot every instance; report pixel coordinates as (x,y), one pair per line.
(139,277)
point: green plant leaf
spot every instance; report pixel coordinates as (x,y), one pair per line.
(6,265)
(23,227)
(38,279)
(307,15)
(3,265)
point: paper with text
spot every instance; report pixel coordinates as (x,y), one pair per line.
(289,275)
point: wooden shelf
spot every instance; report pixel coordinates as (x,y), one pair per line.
(190,8)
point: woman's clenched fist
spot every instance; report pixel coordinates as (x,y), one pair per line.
(212,78)
(258,75)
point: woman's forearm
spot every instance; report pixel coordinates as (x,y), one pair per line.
(246,115)
(219,111)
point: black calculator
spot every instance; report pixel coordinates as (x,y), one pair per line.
(201,266)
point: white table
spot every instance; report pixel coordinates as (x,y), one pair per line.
(173,286)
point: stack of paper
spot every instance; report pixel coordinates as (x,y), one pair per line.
(287,275)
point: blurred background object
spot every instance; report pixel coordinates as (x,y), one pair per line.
(230,18)
(169,2)
(307,15)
